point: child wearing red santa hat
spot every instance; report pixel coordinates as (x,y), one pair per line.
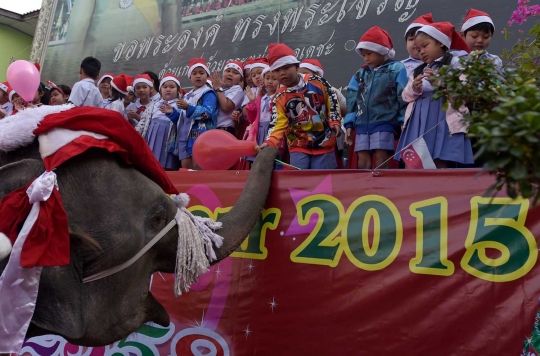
(143,107)
(58,94)
(304,113)
(414,59)
(161,131)
(444,132)
(198,113)
(119,90)
(375,108)
(477,31)
(6,106)
(229,93)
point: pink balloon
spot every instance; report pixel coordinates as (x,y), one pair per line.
(219,150)
(24,78)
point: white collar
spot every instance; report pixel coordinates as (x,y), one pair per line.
(156,97)
(89,80)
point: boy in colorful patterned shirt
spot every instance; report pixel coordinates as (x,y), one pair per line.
(305,111)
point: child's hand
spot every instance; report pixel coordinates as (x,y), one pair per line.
(417,85)
(246,133)
(133,115)
(428,73)
(251,96)
(348,138)
(216,80)
(236,115)
(182,104)
(166,108)
(337,130)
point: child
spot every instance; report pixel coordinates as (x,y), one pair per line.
(414,60)
(229,94)
(140,112)
(247,72)
(7,107)
(85,92)
(104,86)
(443,132)
(199,111)
(313,66)
(477,31)
(259,109)
(258,66)
(154,90)
(129,99)
(59,94)
(305,111)
(40,92)
(374,104)
(162,129)
(119,90)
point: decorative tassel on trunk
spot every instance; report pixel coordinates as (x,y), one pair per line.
(195,251)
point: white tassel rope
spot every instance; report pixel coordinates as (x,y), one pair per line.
(195,251)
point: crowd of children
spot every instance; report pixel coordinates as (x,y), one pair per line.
(281,102)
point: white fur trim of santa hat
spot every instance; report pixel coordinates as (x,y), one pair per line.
(375,47)
(106,75)
(142,80)
(167,78)
(3,87)
(473,21)
(284,61)
(315,69)
(266,70)
(436,34)
(10,95)
(17,130)
(5,246)
(236,66)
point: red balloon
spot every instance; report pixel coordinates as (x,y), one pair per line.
(220,150)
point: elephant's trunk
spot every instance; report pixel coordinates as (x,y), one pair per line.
(237,224)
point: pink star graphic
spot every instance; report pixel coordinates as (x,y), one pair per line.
(325,187)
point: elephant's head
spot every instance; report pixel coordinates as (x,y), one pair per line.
(113,211)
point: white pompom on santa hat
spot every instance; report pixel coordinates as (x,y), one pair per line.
(420,21)
(376,40)
(123,83)
(445,33)
(280,55)
(169,77)
(475,17)
(313,65)
(197,62)
(5,246)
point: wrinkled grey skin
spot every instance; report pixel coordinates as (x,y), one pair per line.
(121,209)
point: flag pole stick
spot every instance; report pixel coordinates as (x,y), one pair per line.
(286,164)
(404,148)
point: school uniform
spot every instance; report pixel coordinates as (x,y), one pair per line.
(86,93)
(411,64)
(224,120)
(7,108)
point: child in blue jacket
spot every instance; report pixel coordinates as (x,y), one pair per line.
(374,103)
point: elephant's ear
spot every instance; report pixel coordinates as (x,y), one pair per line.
(59,308)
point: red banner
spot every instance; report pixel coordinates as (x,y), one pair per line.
(403,262)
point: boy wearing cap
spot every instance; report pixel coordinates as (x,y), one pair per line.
(477,31)
(305,111)
(374,103)
(85,91)
(7,107)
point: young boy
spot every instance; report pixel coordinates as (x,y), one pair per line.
(85,91)
(229,94)
(414,60)
(305,111)
(477,31)
(374,103)
(7,107)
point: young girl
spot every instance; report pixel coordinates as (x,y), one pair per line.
(119,90)
(443,131)
(39,95)
(198,112)
(143,107)
(229,93)
(59,94)
(104,86)
(161,129)
(129,99)
(259,109)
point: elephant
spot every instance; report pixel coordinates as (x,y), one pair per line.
(113,210)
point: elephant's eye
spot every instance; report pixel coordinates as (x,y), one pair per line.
(157,218)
